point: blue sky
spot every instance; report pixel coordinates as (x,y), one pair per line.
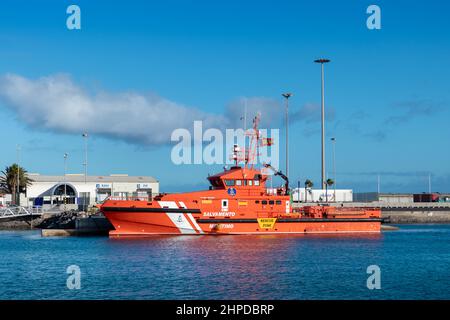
(387,91)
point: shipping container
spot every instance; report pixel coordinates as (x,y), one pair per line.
(320,195)
(426,197)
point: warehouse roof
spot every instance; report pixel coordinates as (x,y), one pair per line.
(80,178)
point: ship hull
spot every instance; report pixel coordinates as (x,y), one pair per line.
(133,224)
(237,202)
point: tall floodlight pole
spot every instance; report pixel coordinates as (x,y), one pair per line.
(85,164)
(18,176)
(245,130)
(333,141)
(378,184)
(245,115)
(429,183)
(287,96)
(85,137)
(322,62)
(65,180)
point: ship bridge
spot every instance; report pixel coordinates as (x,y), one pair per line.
(237,177)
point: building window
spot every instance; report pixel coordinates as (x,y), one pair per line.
(64,189)
(84,199)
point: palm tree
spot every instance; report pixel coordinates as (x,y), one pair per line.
(328,183)
(8,181)
(308,184)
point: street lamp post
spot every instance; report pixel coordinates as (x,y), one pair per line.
(85,164)
(245,128)
(65,179)
(245,115)
(322,62)
(85,136)
(287,96)
(18,176)
(429,183)
(333,141)
(378,184)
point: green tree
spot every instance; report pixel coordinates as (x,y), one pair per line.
(8,181)
(308,184)
(328,183)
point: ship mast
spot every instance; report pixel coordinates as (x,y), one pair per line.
(252,152)
(249,155)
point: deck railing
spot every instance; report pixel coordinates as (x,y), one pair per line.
(130,198)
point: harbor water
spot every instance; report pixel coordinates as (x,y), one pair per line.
(414,263)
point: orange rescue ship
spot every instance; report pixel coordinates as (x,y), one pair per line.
(237,202)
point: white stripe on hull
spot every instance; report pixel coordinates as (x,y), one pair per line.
(191,218)
(178,219)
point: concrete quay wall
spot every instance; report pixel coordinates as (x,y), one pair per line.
(401,212)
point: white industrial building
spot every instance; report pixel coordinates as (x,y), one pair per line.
(77,191)
(322,195)
(5,199)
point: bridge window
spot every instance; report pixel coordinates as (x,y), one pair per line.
(250,182)
(256,182)
(245,182)
(215,183)
(239,182)
(229,183)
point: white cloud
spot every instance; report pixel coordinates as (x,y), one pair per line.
(56,103)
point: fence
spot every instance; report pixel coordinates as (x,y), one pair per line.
(11,212)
